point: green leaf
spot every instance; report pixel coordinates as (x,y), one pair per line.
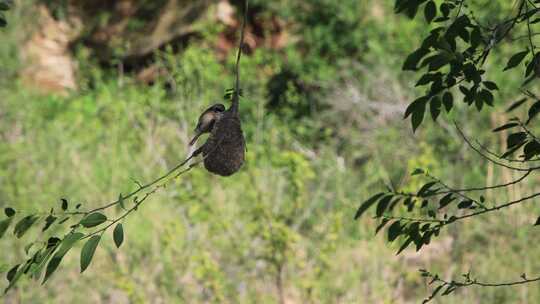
(531,149)
(88,250)
(11,273)
(24,224)
(416,104)
(486,96)
(418,117)
(404,245)
(9,212)
(121,201)
(435,107)
(28,246)
(447,199)
(65,246)
(515,139)
(414,58)
(63,220)
(430,11)
(41,261)
(491,85)
(417,171)
(516,59)
(366,204)
(382,205)
(118,235)
(64,204)
(516,104)
(506,126)
(425,188)
(93,220)
(448,101)
(4,225)
(533,111)
(465,204)
(384,221)
(48,222)
(394,231)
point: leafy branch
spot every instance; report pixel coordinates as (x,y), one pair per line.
(448,287)
(452,57)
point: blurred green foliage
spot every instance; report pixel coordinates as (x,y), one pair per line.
(282,228)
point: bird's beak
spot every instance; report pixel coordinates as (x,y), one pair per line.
(194,140)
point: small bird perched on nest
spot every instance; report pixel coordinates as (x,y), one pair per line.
(224,150)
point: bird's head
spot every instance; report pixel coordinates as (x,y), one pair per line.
(207,121)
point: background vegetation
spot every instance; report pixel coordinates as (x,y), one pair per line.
(322,113)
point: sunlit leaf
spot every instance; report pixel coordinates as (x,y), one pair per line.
(24,224)
(121,201)
(417,171)
(4,225)
(93,220)
(65,246)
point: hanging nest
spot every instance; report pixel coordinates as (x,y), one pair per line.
(224,150)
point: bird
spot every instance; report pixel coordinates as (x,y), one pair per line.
(224,150)
(207,120)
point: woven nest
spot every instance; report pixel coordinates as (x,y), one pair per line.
(224,151)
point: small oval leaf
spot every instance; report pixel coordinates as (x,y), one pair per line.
(516,59)
(88,250)
(24,224)
(64,204)
(93,220)
(118,235)
(9,212)
(4,225)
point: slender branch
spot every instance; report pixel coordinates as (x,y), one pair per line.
(141,187)
(529,32)
(489,158)
(413,219)
(453,285)
(496,208)
(138,203)
(451,190)
(236,93)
